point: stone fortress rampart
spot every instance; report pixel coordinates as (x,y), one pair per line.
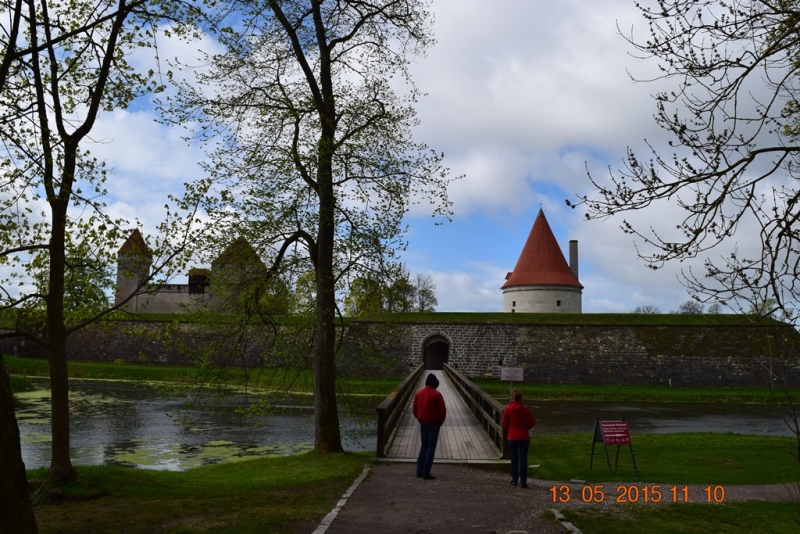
(711,355)
(626,349)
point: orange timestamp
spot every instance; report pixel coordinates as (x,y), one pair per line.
(638,493)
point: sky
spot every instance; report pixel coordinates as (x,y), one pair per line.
(523,97)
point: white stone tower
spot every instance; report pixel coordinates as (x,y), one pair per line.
(542,281)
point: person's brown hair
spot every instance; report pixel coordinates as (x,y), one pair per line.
(516,394)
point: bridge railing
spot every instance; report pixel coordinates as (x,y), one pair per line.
(485,408)
(390,410)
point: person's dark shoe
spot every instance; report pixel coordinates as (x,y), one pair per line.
(513,482)
(523,485)
(429,477)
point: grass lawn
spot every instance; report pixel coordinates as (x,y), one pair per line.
(691,458)
(663,319)
(289,494)
(292,494)
(687,458)
(732,518)
(499,390)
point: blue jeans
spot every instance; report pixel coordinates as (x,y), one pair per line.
(429,435)
(518,450)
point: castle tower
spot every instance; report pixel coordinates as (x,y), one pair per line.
(542,281)
(133,268)
(234,273)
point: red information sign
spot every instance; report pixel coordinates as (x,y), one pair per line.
(615,432)
(612,433)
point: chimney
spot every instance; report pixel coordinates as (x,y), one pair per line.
(573,257)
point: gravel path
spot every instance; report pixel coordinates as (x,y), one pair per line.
(390,499)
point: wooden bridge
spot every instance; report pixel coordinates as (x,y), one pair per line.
(471,432)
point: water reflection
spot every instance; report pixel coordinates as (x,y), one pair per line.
(130,424)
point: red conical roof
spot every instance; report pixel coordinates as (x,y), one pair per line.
(541,261)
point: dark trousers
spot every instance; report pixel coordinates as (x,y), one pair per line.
(518,450)
(429,435)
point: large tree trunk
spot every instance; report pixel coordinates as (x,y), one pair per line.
(328,435)
(16,511)
(61,469)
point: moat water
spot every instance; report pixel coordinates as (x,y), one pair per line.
(131,424)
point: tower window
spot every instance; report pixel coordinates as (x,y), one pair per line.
(513,303)
(558,303)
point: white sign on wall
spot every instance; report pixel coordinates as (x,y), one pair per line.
(512,374)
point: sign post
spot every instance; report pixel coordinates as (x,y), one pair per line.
(512,374)
(612,433)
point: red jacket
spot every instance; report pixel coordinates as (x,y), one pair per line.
(517,421)
(428,406)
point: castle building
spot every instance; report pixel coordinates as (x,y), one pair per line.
(542,281)
(215,289)
(134,260)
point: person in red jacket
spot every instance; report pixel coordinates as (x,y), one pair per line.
(517,422)
(428,407)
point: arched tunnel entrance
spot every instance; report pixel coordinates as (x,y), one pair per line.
(437,350)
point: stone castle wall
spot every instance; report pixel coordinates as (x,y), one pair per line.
(681,356)
(168,298)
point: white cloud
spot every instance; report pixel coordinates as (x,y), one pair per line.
(494,180)
(522,97)
(468,291)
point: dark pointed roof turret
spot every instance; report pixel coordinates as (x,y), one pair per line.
(240,253)
(135,244)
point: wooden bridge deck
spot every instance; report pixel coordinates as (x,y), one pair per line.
(460,439)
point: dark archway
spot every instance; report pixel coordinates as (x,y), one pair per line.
(437,350)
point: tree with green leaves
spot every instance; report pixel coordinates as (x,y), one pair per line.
(305,294)
(399,295)
(63,65)
(390,291)
(312,149)
(364,298)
